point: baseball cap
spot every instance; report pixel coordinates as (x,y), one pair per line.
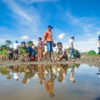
(49,26)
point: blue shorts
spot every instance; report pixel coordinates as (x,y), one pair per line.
(49,47)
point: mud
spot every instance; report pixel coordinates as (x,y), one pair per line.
(85,59)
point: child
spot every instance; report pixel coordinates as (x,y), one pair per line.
(61,54)
(49,41)
(71,41)
(99,45)
(23,51)
(33,53)
(15,50)
(40,48)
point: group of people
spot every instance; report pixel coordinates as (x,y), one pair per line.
(47,75)
(44,48)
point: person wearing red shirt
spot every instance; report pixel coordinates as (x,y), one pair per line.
(49,40)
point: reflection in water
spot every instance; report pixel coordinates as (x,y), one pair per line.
(47,74)
(72,74)
(99,73)
(73,77)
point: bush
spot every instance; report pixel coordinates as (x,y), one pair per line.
(91,53)
(3,52)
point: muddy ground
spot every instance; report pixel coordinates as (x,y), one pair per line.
(85,59)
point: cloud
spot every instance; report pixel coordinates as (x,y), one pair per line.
(86,45)
(25,37)
(82,24)
(32,1)
(98,32)
(61,36)
(26,18)
(88,31)
(17,9)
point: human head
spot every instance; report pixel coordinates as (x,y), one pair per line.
(60,78)
(16,41)
(23,44)
(39,38)
(50,27)
(72,37)
(99,37)
(59,45)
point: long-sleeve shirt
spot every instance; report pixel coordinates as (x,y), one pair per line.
(48,36)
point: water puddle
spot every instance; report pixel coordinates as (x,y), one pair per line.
(46,82)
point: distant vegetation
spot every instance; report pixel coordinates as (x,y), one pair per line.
(91,52)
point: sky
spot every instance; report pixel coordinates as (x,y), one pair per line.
(25,20)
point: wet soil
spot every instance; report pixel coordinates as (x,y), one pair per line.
(85,59)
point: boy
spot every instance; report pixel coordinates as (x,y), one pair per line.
(15,50)
(40,48)
(71,41)
(99,45)
(29,52)
(61,54)
(49,40)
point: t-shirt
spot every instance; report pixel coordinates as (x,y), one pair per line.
(70,42)
(16,76)
(15,46)
(59,52)
(30,50)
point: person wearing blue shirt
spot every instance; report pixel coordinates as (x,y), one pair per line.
(30,51)
(99,45)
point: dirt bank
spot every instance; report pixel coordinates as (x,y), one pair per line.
(85,59)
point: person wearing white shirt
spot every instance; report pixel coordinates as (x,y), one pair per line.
(15,50)
(71,41)
(16,76)
(99,45)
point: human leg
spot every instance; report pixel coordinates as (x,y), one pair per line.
(71,52)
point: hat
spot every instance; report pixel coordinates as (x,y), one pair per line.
(99,37)
(49,26)
(16,41)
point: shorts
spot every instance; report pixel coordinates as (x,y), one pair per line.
(49,47)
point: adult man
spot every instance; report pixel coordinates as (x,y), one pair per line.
(49,40)
(71,41)
(99,45)
(15,50)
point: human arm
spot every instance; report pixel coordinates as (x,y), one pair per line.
(45,37)
(99,43)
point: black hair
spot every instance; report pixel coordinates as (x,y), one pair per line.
(59,43)
(99,36)
(72,37)
(40,38)
(23,42)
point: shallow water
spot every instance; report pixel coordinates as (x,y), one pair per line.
(46,82)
